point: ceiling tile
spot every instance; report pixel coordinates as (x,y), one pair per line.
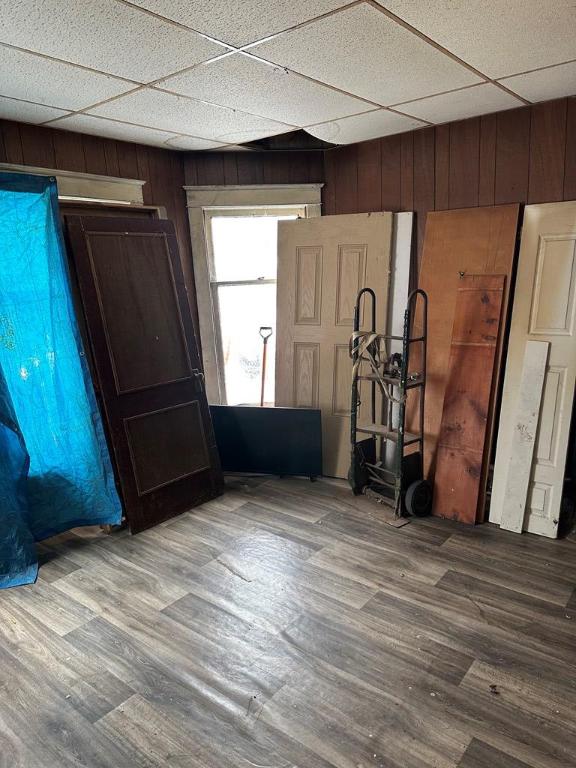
(551,83)
(45,81)
(363,52)
(498,38)
(363,127)
(239,23)
(12,109)
(113,130)
(179,114)
(241,82)
(192,143)
(478,100)
(104,35)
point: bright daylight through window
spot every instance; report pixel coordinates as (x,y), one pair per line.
(243,284)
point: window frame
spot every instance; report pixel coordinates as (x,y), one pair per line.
(202,203)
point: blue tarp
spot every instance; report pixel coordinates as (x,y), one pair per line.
(55,470)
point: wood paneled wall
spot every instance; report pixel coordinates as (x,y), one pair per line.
(525,155)
(254,168)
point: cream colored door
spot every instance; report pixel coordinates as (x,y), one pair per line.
(322,264)
(544,310)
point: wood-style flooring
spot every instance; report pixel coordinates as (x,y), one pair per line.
(285,624)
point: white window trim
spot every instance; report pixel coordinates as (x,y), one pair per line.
(200,201)
(87,186)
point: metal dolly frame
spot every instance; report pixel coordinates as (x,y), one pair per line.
(367,475)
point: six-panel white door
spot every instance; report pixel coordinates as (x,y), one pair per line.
(322,264)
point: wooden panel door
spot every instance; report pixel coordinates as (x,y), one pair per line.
(469,241)
(146,361)
(462,461)
(544,310)
(322,264)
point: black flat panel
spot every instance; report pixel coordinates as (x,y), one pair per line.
(275,441)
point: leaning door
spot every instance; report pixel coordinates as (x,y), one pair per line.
(322,264)
(147,364)
(544,310)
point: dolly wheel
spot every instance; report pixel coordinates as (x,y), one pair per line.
(419,498)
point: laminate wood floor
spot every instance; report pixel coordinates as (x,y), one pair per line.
(285,624)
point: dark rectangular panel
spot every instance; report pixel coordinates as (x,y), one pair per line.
(161,446)
(424,158)
(277,441)
(547,152)
(369,177)
(390,151)
(347,180)
(570,162)
(487,170)
(137,299)
(407,172)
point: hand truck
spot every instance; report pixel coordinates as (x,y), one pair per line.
(380,464)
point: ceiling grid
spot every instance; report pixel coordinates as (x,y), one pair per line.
(207,75)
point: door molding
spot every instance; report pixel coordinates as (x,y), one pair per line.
(200,199)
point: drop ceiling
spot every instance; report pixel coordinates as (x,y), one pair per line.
(211,74)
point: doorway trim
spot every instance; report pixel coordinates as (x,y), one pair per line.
(203,199)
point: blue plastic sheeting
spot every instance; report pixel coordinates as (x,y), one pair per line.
(55,470)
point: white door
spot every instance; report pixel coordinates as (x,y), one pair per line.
(322,264)
(544,310)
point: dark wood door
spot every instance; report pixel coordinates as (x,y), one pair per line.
(147,364)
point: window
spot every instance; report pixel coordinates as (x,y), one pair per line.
(242,255)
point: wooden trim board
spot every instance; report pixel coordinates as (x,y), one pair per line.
(525,422)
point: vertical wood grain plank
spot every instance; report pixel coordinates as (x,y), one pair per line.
(250,168)
(369,177)
(442,172)
(314,167)
(143,160)
(190,169)
(464,163)
(69,151)
(12,142)
(210,167)
(390,158)
(230,168)
(407,172)
(547,152)
(111,157)
(94,155)
(487,164)
(37,146)
(128,161)
(329,188)
(424,157)
(347,180)
(570,169)
(512,156)
(3,155)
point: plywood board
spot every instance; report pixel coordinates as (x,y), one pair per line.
(544,310)
(523,440)
(464,425)
(469,241)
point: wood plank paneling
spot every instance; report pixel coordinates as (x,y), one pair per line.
(442,179)
(407,172)
(487,160)
(390,150)
(512,156)
(95,155)
(547,152)
(424,159)
(463,178)
(570,160)
(69,151)
(369,177)
(347,180)
(37,146)
(12,142)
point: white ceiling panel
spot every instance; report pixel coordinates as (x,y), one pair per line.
(192,143)
(113,130)
(361,51)
(241,82)
(363,127)
(45,81)
(239,23)
(545,84)
(179,114)
(497,37)
(26,112)
(104,35)
(478,100)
